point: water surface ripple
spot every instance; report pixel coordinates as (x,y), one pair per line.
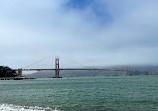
(139,93)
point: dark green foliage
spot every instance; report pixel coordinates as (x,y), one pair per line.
(7,72)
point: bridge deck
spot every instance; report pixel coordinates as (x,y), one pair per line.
(73,69)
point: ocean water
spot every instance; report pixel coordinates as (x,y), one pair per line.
(122,93)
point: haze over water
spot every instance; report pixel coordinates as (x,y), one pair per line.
(137,93)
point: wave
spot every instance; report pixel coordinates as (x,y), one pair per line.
(11,107)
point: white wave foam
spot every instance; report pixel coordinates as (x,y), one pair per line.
(10,107)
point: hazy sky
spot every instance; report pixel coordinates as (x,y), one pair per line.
(91,32)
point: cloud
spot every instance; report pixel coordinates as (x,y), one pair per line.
(98,32)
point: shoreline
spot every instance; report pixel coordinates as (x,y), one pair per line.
(14,78)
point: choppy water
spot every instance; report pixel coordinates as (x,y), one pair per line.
(81,94)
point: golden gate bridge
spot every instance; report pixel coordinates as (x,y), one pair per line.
(57,69)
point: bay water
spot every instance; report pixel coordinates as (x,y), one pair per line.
(117,93)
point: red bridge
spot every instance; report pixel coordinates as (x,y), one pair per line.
(57,69)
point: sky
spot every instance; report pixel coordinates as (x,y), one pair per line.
(91,32)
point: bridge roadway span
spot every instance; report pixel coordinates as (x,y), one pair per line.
(57,69)
(73,69)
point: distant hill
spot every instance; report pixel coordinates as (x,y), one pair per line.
(5,71)
(134,71)
(48,74)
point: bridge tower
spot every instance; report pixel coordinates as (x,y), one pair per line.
(20,72)
(57,68)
